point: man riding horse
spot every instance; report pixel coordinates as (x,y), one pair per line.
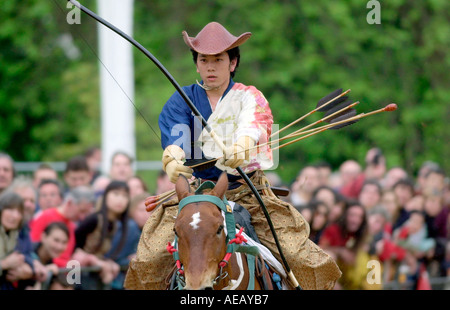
(240,116)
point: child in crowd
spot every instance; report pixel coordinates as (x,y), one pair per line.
(412,238)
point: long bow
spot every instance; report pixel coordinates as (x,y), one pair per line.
(204,123)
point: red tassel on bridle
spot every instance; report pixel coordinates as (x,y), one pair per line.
(238,239)
(171,249)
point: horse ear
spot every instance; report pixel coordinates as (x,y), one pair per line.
(221,186)
(182,187)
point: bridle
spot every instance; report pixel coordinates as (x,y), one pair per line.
(234,240)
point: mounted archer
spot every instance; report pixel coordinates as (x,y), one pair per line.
(238,114)
(240,119)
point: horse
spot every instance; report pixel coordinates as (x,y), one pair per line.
(201,247)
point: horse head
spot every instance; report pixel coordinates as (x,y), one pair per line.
(199,228)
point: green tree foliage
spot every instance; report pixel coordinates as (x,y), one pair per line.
(299,52)
(49,95)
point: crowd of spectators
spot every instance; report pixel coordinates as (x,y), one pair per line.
(57,229)
(367,213)
(51,224)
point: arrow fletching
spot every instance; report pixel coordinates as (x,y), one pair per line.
(323,106)
(337,108)
(348,114)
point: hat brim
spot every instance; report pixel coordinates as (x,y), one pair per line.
(214,39)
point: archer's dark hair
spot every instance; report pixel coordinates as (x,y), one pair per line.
(233,53)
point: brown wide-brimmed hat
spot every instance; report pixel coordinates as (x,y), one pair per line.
(214,39)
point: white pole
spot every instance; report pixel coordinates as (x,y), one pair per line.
(116,81)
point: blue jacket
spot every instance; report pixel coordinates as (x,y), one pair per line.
(177,119)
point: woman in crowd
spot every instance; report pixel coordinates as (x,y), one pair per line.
(345,241)
(16,263)
(94,235)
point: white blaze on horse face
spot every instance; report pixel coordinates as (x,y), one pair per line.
(195,220)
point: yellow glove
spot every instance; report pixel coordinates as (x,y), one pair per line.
(235,155)
(172,161)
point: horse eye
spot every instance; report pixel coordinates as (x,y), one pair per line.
(219,230)
(175,232)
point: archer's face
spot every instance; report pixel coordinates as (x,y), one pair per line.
(215,69)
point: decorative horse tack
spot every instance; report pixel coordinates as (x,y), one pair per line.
(234,240)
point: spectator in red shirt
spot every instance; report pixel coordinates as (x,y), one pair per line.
(78,203)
